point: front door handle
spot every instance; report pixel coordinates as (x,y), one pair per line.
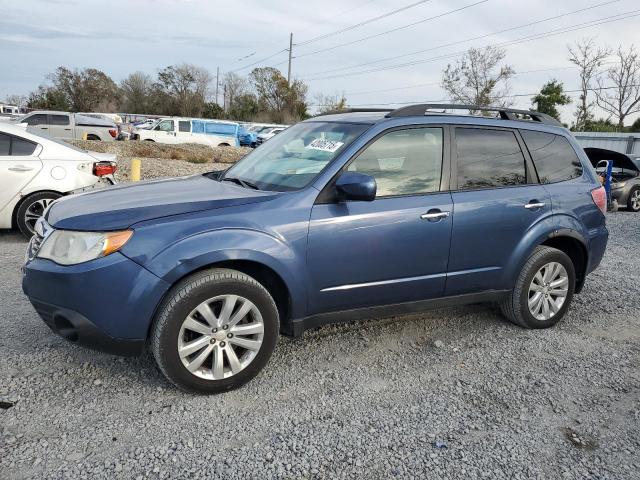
(533,204)
(434,215)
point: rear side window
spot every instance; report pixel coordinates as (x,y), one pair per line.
(488,159)
(59,120)
(37,119)
(184,126)
(5,144)
(554,158)
(15,146)
(22,147)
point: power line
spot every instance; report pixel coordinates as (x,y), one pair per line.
(432,84)
(448,100)
(470,39)
(360,24)
(261,61)
(402,27)
(570,28)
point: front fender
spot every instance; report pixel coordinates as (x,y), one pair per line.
(197,251)
(549,227)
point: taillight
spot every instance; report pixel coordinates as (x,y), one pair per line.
(113,132)
(100,169)
(599,196)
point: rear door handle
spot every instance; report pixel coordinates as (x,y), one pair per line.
(434,215)
(20,168)
(532,205)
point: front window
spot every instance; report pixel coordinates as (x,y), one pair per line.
(292,159)
(165,126)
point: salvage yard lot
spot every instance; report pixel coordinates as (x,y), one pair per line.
(447,394)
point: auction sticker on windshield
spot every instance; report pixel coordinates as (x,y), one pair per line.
(325,145)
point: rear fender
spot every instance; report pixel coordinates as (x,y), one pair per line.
(550,227)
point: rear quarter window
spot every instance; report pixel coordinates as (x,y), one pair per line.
(553,156)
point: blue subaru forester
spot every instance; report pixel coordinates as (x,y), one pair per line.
(340,217)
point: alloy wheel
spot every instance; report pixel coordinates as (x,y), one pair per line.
(635,200)
(548,291)
(34,211)
(220,337)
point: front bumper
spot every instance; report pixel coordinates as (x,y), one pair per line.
(106,304)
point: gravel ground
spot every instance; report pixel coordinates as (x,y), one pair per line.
(454,393)
(161,168)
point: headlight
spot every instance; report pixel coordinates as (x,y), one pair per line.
(68,248)
(615,186)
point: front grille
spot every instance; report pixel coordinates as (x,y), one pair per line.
(42,229)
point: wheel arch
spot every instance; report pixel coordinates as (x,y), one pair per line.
(262,273)
(14,213)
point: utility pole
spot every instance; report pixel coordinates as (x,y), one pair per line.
(290,52)
(217,83)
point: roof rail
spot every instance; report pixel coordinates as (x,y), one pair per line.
(354,110)
(504,113)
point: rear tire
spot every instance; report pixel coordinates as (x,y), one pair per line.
(633,203)
(543,290)
(31,209)
(215,331)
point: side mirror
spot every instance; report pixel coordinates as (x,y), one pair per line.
(23,125)
(356,186)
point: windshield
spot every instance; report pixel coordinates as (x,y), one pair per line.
(294,157)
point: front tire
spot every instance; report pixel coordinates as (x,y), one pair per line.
(543,290)
(633,203)
(215,331)
(31,209)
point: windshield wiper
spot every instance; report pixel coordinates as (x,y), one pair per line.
(242,183)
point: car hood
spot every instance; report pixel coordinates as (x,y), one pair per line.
(117,208)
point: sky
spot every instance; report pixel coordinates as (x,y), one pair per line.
(364,49)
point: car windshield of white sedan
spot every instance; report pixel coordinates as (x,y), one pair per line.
(294,157)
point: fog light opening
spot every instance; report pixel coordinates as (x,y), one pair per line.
(65,328)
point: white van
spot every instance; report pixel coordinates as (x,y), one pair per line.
(215,133)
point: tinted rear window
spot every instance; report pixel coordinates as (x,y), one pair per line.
(5,144)
(59,120)
(22,147)
(554,158)
(488,159)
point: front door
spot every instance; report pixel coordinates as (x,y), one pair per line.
(496,203)
(38,123)
(165,132)
(394,249)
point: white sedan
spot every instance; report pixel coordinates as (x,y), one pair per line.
(35,171)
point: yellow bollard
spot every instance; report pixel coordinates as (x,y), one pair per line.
(135,169)
(84,136)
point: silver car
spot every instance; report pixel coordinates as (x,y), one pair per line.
(625,181)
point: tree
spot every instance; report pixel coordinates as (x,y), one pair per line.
(478,78)
(600,125)
(245,108)
(213,110)
(635,126)
(588,58)
(234,87)
(47,98)
(624,98)
(331,103)
(185,88)
(18,100)
(280,101)
(85,90)
(551,95)
(137,93)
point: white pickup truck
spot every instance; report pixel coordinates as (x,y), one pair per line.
(67,125)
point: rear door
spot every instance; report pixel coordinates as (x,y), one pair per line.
(497,200)
(395,248)
(60,126)
(18,166)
